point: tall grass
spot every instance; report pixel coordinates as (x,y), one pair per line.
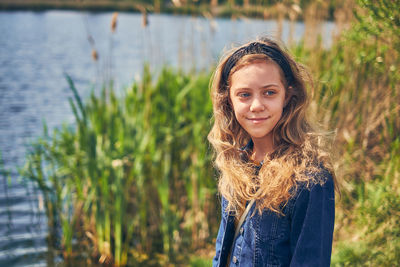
(358,95)
(132,183)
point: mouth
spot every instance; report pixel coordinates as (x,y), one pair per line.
(258,120)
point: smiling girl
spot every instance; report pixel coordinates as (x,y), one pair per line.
(276,180)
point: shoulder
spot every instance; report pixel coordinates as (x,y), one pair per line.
(318,185)
(314,198)
(317,176)
(224,204)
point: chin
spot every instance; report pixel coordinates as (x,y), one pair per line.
(258,136)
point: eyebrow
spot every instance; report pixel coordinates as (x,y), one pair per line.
(262,87)
(270,85)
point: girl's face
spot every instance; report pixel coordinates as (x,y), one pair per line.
(257,94)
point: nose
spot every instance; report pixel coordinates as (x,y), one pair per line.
(257,105)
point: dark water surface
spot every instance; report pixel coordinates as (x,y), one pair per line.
(38,48)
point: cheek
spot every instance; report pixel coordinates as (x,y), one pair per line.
(278,105)
(234,108)
(238,117)
(239,113)
(239,110)
(280,112)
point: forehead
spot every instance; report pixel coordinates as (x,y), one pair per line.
(250,59)
(258,73)
(255,59)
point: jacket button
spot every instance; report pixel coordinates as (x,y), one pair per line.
(234,259)
(241,230)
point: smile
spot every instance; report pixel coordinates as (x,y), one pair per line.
(258,120)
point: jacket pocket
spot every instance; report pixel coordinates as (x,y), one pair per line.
(273,226)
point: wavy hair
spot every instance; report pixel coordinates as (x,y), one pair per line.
(298,152)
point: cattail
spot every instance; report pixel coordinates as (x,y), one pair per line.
(294,12)
(265,14)
(213,23)
(95,56)
(114,21)
(296,8)
(177,3)
(313,15)
(40,203)
(281,10)
(145,21)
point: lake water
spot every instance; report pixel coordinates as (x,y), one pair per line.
(38,48)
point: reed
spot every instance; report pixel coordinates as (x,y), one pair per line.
(132,180)
(358,95)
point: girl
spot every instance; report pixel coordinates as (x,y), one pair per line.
(276,180)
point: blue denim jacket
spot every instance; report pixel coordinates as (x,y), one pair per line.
(300,237)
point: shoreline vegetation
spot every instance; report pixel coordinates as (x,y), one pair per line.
(263,9)
(131,183)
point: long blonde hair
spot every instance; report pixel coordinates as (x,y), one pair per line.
(298,155)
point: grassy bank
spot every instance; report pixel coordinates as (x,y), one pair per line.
(132,181)
(95,6)
(231,9)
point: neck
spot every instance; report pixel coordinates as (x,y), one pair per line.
(262,146)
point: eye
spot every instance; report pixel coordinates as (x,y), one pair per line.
(243,94)
(269,92)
